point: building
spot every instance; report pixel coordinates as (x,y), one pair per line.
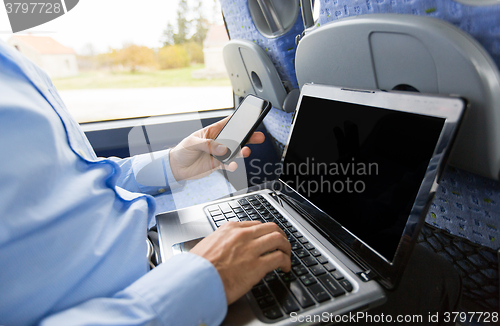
(212,50)
(53,57)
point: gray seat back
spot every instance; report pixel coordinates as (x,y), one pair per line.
(252,72)
(390,51)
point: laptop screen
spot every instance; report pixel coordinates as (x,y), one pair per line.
(361,165)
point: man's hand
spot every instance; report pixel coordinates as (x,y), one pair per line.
(243,252)
(191,159)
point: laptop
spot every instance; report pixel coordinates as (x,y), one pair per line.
(358,173)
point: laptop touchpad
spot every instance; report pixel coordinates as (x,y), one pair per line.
(178,227)
(186,246)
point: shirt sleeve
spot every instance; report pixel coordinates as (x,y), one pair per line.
(147,173)
(185,290)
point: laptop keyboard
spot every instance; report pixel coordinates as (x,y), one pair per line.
(313,278)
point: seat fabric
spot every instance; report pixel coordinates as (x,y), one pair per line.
(468,206)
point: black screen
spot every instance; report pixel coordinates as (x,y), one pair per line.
(361,165)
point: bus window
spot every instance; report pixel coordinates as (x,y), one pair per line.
(158,58)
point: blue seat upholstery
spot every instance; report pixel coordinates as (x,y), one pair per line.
(467,209)
(281,51)
(468,205)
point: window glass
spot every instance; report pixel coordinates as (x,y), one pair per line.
(118,59)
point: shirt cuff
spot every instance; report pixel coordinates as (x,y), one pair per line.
(169,175)
(184,290)
(153,173)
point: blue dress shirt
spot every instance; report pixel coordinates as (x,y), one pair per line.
(72,230)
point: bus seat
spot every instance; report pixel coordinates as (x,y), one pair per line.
(391,51)
(463,226)
(478,18)
(252,72)
(410,52)
(260,29)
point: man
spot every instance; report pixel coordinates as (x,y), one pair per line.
(72,233)
(73,228)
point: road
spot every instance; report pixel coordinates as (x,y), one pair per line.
(109,104)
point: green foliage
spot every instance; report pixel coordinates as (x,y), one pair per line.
(201,24)
(173,56)
(180,55)
(168,35)
(195,52)
(194,30)
(182,23)
(134,56)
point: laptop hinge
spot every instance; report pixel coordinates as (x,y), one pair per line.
(367,275)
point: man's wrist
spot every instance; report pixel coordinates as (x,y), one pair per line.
(173,167)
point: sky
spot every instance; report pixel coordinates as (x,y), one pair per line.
(106,23)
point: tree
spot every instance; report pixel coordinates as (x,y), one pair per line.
(182,23)
(194,52)
(201,24)
(168,35)
(173,56)
(134,56)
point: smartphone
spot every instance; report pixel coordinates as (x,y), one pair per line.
(245,119)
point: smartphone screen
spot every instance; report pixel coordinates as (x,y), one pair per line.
(242,123)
